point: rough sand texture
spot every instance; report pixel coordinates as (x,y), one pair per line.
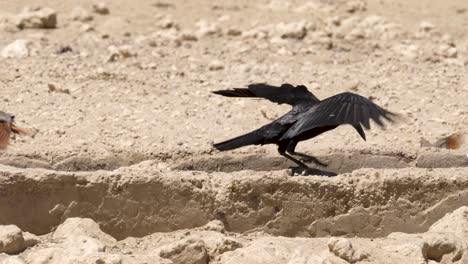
(118,93)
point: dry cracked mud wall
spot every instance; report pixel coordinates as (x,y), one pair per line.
(142,199)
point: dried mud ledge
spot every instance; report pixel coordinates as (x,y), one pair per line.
(221,162)
(142,199)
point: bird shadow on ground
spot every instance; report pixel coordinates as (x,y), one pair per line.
(254,162)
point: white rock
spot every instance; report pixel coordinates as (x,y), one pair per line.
(37,18)
(101,8)
(255,33)
(207,29)
(81,227)
(11,239)
(426,26)
(167,22)
(447,51)
(20,48)
(343,248)
(292,30)
(81,14)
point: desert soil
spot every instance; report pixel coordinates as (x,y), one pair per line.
(120,168)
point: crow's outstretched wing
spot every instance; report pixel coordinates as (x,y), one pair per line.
(344,108)
(285,94)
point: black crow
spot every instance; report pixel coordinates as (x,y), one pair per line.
(308,118)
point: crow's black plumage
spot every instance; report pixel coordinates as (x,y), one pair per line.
(308,118)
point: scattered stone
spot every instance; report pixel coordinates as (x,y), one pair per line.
(167,22)
(81,14)
(426,26)
(83,27)
(322,39)
(207,29)
(447,51)
(215,65)
(101,8)
(54,88)
(355,6)
(234,32)
(185,251)
(343,248)
(37,18)
(20,48)
(352,86)
(258,33)
(292,30)
(187,36)
(64,49)
(163,5)
(121,52)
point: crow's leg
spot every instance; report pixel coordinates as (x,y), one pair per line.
(282,152)
(291,148)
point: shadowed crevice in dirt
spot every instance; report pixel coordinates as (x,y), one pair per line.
(138,202)
(76,162)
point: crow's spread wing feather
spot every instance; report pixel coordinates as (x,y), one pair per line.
(285,94)
(344,108)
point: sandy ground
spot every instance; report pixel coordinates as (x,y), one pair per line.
(132,87)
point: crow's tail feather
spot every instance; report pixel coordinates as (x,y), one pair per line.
(251,138)
(236,92)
